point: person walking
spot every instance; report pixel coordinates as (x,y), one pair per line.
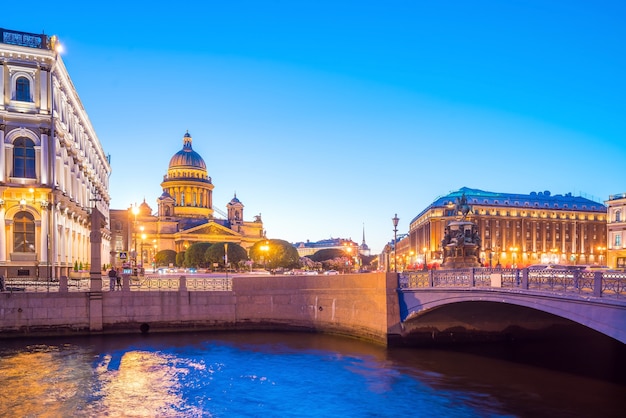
(118,278)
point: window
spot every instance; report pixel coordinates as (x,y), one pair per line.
(23,233)
(22,89)
(618,216)
(618,241)
(24,158)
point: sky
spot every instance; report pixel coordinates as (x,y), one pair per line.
(330,117)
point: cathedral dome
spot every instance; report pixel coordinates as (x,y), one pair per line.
(187,157)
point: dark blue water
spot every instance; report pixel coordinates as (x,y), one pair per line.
(281,375)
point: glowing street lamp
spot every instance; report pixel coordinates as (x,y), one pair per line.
(395,220)
(265,248)
(135,211)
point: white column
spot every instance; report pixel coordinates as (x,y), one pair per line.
(43,241)
(43,159)
(3,163)
(3,239)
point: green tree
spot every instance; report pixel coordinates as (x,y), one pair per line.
(165,258)
(180,259)
(215,254)
(274,253)
(328,254)
(194,256)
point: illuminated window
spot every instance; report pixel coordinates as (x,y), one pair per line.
(22,89)
(24,158)
(23,233)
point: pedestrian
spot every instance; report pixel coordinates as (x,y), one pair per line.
(118,278)
(2,288)
(112,278)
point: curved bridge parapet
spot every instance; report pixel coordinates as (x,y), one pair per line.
(593,299)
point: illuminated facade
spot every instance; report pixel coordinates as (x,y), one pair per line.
(184,215)
(616,225)
(53,169)
(515,229)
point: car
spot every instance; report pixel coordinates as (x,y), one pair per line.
(331,272)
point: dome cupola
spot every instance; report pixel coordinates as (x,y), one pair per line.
(187,157)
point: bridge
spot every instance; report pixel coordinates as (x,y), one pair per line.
(422,307)
(451,305)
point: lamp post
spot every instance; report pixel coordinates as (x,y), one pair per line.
(143,239)
(135,211)
(425,267)
(395,220)
(154,256)
(265,248)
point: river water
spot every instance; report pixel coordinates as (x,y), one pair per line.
(263,374)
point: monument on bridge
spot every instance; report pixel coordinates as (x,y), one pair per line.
(461,242)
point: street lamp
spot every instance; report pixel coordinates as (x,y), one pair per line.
(395,220)
(265,248)
(143,238)
(135,211)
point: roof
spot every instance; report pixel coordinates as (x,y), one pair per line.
(533,200)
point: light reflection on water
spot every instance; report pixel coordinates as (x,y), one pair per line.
(279,375)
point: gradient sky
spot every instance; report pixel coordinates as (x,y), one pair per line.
(327,117)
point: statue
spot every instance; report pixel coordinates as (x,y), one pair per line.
(461,241)
(462,206)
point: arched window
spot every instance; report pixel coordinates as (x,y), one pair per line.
(24,158)
(23,233)
(182,198)
(22,89)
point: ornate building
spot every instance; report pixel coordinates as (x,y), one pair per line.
(185,215)
(53,170)
(514,229)
(616,248)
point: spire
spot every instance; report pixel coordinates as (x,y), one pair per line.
(363,233)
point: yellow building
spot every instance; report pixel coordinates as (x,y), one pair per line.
(515,229)
(53,170)
(616,248)
(185,215)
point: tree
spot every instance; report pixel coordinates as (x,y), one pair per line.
(274,253)
(165,258)
(194,256)
(180,259)
(328,254)
(215,254)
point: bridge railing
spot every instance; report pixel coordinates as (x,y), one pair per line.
(598,283)
(129,283)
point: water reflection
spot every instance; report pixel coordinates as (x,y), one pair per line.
(281,374)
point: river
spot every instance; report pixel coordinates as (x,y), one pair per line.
(266,374)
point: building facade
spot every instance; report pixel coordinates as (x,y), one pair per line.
(515,229)
(185,215)
(616,230)
(53,170)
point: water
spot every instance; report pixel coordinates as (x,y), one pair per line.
(256,374)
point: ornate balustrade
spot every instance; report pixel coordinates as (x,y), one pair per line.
(601,283)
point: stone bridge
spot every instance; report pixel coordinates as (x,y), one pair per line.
(469,304)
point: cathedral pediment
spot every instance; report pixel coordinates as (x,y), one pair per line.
(210,228)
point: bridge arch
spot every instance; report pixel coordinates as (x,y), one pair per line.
(489,312)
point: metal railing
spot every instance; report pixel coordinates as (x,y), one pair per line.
(592,283)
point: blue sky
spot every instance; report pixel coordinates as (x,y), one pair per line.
(327,117)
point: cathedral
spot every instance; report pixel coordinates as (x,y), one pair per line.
(184,215)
